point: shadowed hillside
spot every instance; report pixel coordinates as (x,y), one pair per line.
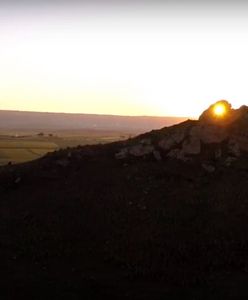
(160,215)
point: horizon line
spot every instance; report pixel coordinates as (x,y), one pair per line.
(97,114)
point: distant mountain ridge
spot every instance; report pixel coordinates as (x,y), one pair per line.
(60,121)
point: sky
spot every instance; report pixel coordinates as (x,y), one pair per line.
(164,58)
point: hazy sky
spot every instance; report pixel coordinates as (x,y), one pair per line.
(121,57)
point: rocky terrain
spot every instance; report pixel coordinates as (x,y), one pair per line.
(161,215)
(210,140)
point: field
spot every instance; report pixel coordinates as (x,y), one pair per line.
(27,145)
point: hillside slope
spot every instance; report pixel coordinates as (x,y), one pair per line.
(163,214)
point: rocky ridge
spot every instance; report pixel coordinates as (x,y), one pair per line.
(210,140)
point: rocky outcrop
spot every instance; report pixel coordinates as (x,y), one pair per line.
(173,139)
(191,146)
(233,148)
(209,117)
(139,150)
(208,133)
(208,167)
(123,153)
(210,140)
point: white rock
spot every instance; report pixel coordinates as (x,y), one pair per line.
(233,148)
(141,150)
(218,153)
(192,146)
(230,160)
(209,168)
(177,154)
(157,155)
(208,133)
(122,154)
(146,141)
(172,139)
(242,142)
(63,162)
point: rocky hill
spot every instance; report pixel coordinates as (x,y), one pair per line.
(211,140)
(161,215)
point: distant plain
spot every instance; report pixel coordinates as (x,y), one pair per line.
(26,145)
(25,136)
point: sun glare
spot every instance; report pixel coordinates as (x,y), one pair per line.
(219,110)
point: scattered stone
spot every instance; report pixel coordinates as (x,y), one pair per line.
(177,154)
(172,140)
(146,141)
(122,154)
(157,155)
(206,138)
(140,150)
(242,141)
(63,162)
(233,148)
(209,168)
(18,180)
(218,153)
(192,146)
(208,133)
(229,160)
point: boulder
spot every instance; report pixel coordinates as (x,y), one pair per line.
(192,146)
(136,150)
(208,167)
(157,155)
(229,160)
(62,163)
(141,150)
(218,153)
(242,142)
(146,141)
(209,133)
(122,154)
(211,138)
(233,148)
(173,139)
(177,154)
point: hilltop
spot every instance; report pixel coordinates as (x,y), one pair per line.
(162,214)
(213,140)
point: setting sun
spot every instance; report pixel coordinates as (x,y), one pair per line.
(219,110)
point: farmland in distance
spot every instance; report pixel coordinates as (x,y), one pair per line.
(26,145)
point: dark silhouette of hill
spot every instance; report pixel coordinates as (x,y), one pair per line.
(161,215)
(59,121)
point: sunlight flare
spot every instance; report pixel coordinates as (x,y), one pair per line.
(219,110)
